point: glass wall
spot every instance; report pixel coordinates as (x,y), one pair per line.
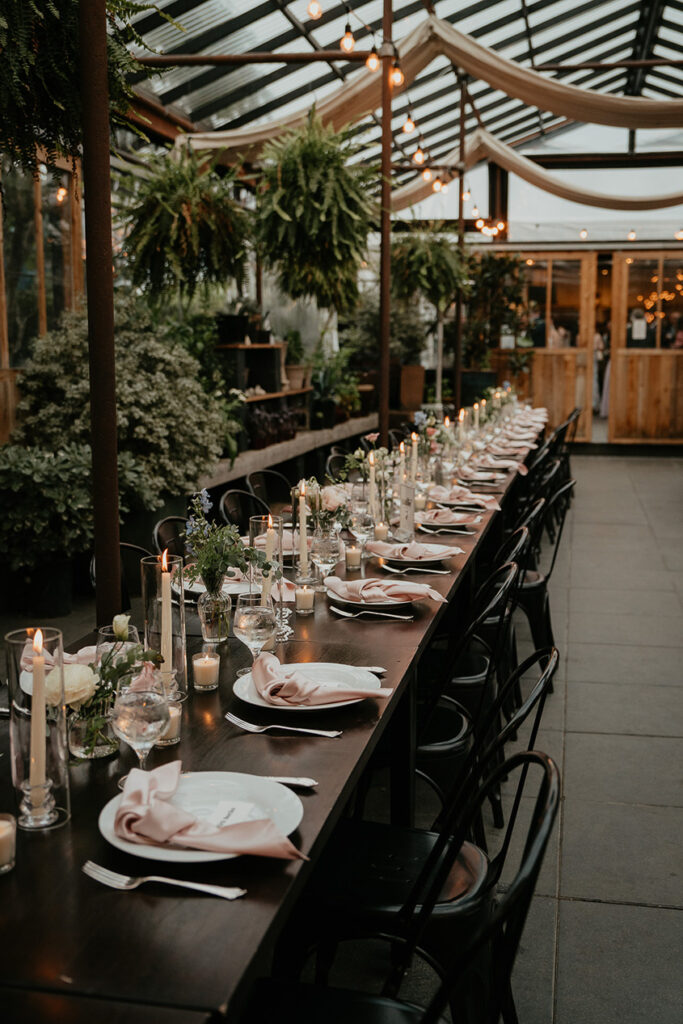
(654,302)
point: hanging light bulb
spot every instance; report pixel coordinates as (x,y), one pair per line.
(397,76)
(314,10)
(437,185)
(475,211)
(427,174)
(347,42)
(632,236)
(372,63)
(408,124)
(501,225)
(466,194)
(494,230)
(679,235)
(444,188)
(479,223)
(418,155)
(583,233)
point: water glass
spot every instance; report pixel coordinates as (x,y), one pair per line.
(140,717)
(325,551)
(254,624)
(108,641)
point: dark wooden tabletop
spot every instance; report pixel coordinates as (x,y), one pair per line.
(67,934)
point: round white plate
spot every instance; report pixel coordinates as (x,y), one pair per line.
(440,553)
(345,602)
(200,793)
(230,587)
(325,672)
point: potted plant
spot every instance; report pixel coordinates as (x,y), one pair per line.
(298,372)
(428,263)
(333,385)
(314,212)
(183,227)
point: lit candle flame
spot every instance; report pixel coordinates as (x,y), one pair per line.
(302,489)
(164,561)
(371,458)
(447,422)
(270,522)
(461,415)
(38,642)
(402,448)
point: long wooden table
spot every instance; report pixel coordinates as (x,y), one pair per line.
(68,935)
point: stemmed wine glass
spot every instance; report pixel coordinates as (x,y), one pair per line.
(139,717)
(325,552)
(361,525)
(254,624)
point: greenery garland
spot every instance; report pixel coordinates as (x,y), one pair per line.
(315,210)
(40,95)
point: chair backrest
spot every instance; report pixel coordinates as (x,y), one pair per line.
(334,465)
(573,425)
(490,602)
(554,518)
(501,932)
(395,438)
(271,487)
(514,548)
(170,533)
(131,579)
(237,506)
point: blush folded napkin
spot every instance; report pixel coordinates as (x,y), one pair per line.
(288,590)
(413,552)
(510,447)
(290,541)
(86,656)
(464,495)
(446,517)
(372,590)
(146,815)
(490,462)
(475,475)
(285,686)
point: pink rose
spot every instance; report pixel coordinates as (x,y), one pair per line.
(371,438)
(147,679)
(431,431)
(333,496)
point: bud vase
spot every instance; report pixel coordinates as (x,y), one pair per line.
(213,608)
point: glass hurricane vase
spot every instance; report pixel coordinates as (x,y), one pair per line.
(91,737)
(213,608)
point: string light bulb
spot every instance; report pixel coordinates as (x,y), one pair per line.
(475,211)
(314,10)
(479,223)
(347,42)
(427,174)
(583,233)
(397,76)
(494,230)
(408,124)
(444,188)
(437,185)
(466,194)
(372,63)
(631,236)
(501,225)
(418,155)
(679,235)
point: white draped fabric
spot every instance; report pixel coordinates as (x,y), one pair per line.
(359,97)
(481,145)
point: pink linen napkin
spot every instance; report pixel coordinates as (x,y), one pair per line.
(373,590)
(446,517)
(86,656)
(413,552)
(494,463)
(146,815)
(474,475)
(463,494)
(510,447)
(289,542)
(283,685)
(288,590)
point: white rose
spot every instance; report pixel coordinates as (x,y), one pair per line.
(333,497)
(120,626)
(79,684)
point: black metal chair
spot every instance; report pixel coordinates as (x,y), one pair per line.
(236,507)
(131,579)
(435,896)
(169,533)
(271,487)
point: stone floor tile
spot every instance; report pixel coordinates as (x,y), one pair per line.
(614,663)
(643,630)
(623,769)
(625,709)
(618,965)
(533,975)
(588,600)
(594,573)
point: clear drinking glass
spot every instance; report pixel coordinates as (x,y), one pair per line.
(107,640)
(325,551)
(362,526)
(254,624)
(139,717)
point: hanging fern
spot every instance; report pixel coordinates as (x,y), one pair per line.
(184,226)
(427,262)
(40,101)
(315,212)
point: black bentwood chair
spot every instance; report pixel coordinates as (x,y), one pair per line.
(131,585)
(272,488)
(478,959)
(236,508)
(169,533)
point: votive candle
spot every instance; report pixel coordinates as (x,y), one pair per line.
(206,668)
(304,600)
(381,531)
(353,557)
(8,842)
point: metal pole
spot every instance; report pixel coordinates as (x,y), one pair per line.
(216,59)
(385,227)
(99,275)
(457,358)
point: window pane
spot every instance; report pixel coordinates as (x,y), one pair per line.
(56,208)
(672,304)
(641,312)
(535,287)
(563,328)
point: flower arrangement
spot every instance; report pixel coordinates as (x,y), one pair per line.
(327,504)
(217,550)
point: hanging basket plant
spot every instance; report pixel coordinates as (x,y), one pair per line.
(40,95)
(427,263)
(184,228)
(315,210)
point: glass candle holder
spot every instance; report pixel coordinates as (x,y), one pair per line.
(205,670)
(38,735)
(352,557)
(171,736)
(8,842)
(304,600)
(163,598)
(381,531)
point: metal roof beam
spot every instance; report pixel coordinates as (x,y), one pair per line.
(646,37)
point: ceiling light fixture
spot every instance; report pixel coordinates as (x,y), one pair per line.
(475,211)
(631,236)
(501,225)
(466,194)
(427,174)
(372,63)
(444,188)
(314,10)
(438,185)
(583,233)
(397,76)
(408,124)
(418,155)
(479,223)
(347,42)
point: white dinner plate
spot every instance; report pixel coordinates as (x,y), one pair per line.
(230,587)
(439,553)
(346,602)
(325,672)
(200,793)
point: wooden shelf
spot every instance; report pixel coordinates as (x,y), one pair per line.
(278,394)
(243,345)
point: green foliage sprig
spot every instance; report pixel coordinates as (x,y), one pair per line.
(495,299)
(40,96)
(184,228)
(427,263)
(314,213)
(168,428)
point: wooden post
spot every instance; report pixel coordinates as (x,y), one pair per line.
(92,18)
(457,357)
(385,228)
(40,255)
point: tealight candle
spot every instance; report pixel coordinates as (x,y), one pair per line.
(381,531)
(304,600)
(8,842)
(420,501)
(172,734)
(205,668)
(353,557)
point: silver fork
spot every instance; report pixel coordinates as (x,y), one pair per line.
(127,882)
(367,611)
(430,572)
(462,531)
(250,727)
